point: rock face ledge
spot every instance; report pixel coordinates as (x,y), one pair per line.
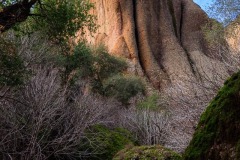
(161,38)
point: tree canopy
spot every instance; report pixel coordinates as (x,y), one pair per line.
(225,10)
(58,18)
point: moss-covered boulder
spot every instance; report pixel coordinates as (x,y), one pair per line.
(156,152)
(217,136)
(102,143)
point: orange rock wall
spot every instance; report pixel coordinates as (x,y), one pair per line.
(162,39)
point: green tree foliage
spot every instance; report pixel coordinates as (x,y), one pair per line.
(62,19)
(104,71)
(108,79)
(14,11)
(79,63)
(214,33)
(151,102)
(105,66)
(37,119)
(96,64)
(59,19)
(123,87)
(225,10)
(11,66)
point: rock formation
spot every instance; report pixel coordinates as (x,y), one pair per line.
(163,41)
(161,38)
(233,35)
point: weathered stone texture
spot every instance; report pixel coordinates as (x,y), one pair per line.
(161,38)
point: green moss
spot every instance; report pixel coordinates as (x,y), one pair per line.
(156,152)
(103,143)
(219,124)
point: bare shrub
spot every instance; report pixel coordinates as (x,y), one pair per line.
(149,120)
(37,119)
(38,122)
(190,95)
(186,99)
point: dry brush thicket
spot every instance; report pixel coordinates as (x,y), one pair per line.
(190,96)
(37,121)
(173,122)
(43,119)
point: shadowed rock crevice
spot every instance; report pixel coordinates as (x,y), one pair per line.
(134,2)
(171,9)
(119,11)
(181,22)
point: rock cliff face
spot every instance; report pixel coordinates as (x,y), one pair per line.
(163,41)
(233,35)
(161,38)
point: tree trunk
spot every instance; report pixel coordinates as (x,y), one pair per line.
(15,13)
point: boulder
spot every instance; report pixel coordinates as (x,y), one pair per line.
(217,136)
(156,152)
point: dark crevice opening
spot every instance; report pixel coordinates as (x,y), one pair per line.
(119,8)
(190,61)
(174,21)
(136,35)
(181,23)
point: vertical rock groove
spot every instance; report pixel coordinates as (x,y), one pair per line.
(181,23)
(134,2)
(172,12)
(119,8)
